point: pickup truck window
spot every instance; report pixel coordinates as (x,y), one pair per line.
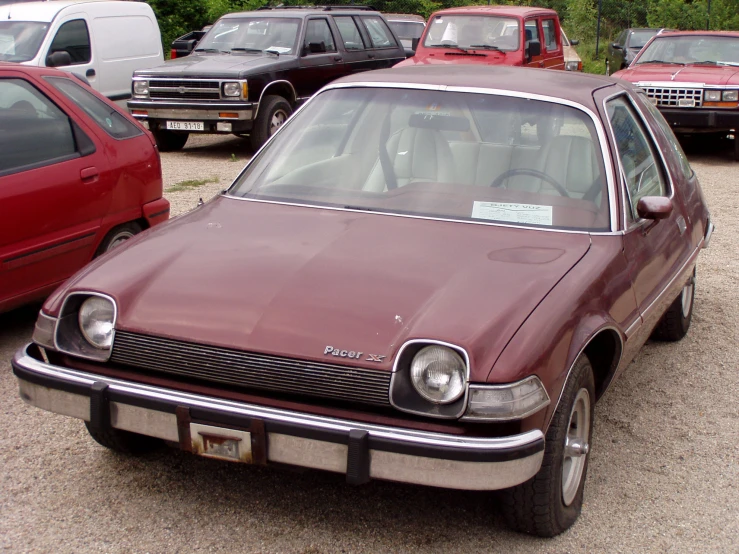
(379,32)
(532,30)
(465,31)
(317,32)
(349,33)
(550,35)
(251,34)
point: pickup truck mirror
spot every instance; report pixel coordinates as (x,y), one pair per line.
(574,42)
(414,44)
(616,46)
(654,207)
(533,48)
(59,58)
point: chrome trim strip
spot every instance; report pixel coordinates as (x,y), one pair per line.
(646,312)
(454,347)
(279,415)
(189,114)
(144,104)
(191,79)
(610,178)
(710,228)
(295,96)
(631,329)
(684,84)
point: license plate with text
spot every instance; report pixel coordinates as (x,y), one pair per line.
(185,126)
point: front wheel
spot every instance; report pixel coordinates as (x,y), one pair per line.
(274,111)
(551,501)
(170,141)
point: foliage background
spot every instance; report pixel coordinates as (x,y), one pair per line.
(579,17)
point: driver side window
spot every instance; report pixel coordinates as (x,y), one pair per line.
(639,160)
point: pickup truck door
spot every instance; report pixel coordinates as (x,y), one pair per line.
(320,60)
(532,32)
(551,46)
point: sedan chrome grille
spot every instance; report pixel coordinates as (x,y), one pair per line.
(675,97)
(177,89)
(251,370)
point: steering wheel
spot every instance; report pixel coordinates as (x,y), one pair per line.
(533,172)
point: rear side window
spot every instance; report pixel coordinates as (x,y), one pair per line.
(670,136)
(73,38)
(550,34)
(379,32)
(350,34)
(33,131)
(318,34)
(104,115)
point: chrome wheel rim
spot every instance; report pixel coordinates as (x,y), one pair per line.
(687,297)
(278,118)
(576,447)
(119,239)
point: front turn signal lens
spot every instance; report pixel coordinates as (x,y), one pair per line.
(506,402)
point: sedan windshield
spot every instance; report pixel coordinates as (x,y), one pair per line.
(20,40)
(466,31)
(693,49)
(251,34)
(447,155)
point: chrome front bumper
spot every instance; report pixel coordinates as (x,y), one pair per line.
(362,451)
(196,112)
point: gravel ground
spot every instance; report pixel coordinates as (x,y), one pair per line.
(664,471)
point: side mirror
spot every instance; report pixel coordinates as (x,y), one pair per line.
(574,42)
(616,46)
(58,59)
(316,47)
(654,207)
(414,44)
(409,53)
(533,48)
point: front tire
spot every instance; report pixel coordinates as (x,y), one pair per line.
(124,441)
(675,323)
(551,501)
(170,141)
(274,111)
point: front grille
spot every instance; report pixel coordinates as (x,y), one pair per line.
(670,97)
(247,369)
(175,89)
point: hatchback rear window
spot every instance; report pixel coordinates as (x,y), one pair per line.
(104,115)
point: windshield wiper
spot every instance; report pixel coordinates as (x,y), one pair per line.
(661,61)
(210,51)
(255,50)
(450,46)
(485,47)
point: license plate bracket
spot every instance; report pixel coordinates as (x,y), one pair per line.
(185,126)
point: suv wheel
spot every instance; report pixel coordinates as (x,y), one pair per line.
(169,141)
(273,112)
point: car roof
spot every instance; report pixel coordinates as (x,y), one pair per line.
(39,11)
(569,85)
(699,33)
(520,11)
(404,17)
(301,12)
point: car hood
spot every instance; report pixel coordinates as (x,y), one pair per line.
(292,280)
(703,74)
(213,65)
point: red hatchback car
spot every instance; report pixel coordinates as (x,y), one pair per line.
(77,177)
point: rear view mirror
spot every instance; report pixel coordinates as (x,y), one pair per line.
(574,42)
(654,207)
(616,46)
(58,59)
(426,120)
(414,43)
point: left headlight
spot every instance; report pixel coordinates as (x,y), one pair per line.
(97,320)
(572,66)
(231,89)
(141,88)
(438,374)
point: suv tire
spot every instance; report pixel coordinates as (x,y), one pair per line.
(170,141)
(273,112)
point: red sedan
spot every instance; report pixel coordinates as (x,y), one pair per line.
(78,176)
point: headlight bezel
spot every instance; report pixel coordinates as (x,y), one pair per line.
(144,88)
(69,338)
(236,87)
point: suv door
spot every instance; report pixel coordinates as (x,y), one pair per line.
(50,190)
(551,46)
(384,51)
(73,37)
(616,55)
(356,56)
(320,60)
(532,34)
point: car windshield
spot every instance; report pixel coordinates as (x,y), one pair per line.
(20,40)
(251,34)
(448,155)
(639,38)
(407,29)
(693,49)
(465,31)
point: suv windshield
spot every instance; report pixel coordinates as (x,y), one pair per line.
(639,38)
(20,40)
(449,155)
(466,31)
(246,34)
(692,49)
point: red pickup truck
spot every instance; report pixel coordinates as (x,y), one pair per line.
(499,35)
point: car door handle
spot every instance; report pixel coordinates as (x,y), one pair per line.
(337,58)
(371,56)
(89,174)
(90,73)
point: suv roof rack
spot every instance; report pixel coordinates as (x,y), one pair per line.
(324,8)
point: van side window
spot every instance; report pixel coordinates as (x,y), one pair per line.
(349,32)
(33,131)
(379,32)
(550,34)
(318,34)
(106,117)
(73,38)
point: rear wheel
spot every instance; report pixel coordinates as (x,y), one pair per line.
(274,111)
(117,236)
(124,441)
(551,501)
(675,323)
(170,141)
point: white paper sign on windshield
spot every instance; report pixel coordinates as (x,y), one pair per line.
(513,213)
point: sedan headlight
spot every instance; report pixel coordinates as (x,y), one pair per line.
(141,88)
(712,95)
(506,402)
(730,95)
(438,374)
(97,320)
(231,89)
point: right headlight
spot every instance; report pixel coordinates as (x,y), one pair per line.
(86,326)
(97,320)
(712,95)
(506,402)
(141,88)
(438,374)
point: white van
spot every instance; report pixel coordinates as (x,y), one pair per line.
(101,40)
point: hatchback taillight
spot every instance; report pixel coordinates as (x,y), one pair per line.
(172,54)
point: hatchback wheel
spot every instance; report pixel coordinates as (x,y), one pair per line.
(551,501)
(117,236)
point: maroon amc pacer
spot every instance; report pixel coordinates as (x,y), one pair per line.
(693,78)
(428,275)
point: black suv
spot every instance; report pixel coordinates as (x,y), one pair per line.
(252,69)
